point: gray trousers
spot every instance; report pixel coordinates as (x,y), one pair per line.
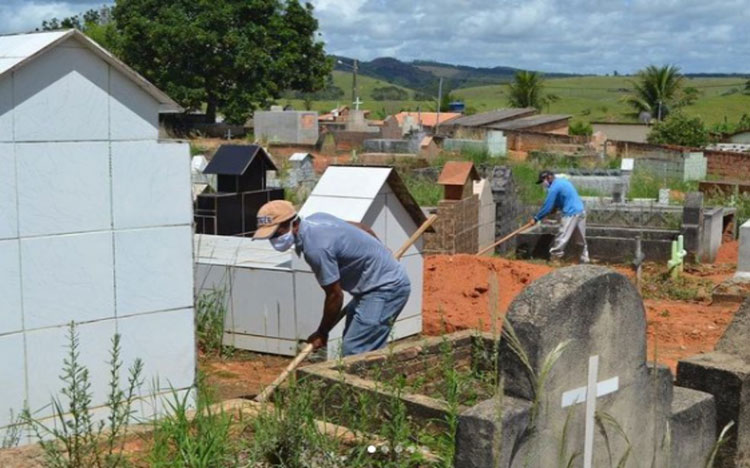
(571,226)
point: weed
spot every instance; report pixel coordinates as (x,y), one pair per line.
(720,442)
(13,432)
(200,442)
(425,191)
(285,434)
(77,439)
(683,288)
(210,311)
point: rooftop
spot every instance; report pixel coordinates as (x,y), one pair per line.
(17,50)
(528,122)
(493,116)
(428,119)
(457,173)
(235,159)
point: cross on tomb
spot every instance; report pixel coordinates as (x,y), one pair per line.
(583,394)
(357,102)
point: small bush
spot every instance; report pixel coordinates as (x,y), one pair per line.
(77,439)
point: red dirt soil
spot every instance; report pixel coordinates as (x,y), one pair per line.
(456,297)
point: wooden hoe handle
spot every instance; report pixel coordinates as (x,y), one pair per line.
(308,348)
(509,236)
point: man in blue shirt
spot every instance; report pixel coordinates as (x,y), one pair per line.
(344,256)
(563,196)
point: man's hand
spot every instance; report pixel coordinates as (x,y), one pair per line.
(318,340)
(533,221)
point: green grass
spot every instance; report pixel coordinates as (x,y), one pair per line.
(586,98)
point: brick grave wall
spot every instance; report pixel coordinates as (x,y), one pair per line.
(456,229)
(728,165)
(529,141)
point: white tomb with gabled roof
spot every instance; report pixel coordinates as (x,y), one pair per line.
(273,299)
(95,223)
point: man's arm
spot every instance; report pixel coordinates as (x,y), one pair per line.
(549,203)
(364,227)
(331,308)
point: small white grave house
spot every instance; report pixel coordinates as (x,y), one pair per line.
(95,224)
(273,300)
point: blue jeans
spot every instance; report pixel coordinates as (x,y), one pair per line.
(370,317)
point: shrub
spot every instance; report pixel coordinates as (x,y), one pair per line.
(76,439)
(679,129)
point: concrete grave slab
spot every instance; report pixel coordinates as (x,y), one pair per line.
(725,374)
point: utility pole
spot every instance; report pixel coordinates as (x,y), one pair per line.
(354,81)
(439,103)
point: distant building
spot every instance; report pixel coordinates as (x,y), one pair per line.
(398,125)
(475,126)
(623,131)
(741,137)
(286,127)
(543,123)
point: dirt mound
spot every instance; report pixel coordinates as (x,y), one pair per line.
(457,297)
(728,252)
(456,289)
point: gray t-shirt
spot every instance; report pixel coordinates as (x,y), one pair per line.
(339,251)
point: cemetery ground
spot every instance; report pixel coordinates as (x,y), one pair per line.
(461,292)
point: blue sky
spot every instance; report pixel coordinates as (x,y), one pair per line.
(582,36)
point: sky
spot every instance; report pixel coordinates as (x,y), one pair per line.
(574,36)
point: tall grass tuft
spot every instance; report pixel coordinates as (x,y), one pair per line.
(76,439)
(210,311)
(199,442)
(720,442)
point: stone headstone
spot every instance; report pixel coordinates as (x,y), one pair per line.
(597,312)
(736,338)
(664,196)
(743,260)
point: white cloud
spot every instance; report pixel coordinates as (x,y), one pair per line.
(582,36)
(595,36)
(24,16)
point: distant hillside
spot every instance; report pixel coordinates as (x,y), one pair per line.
(423,76)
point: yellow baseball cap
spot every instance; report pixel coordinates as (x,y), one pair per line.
(271,215)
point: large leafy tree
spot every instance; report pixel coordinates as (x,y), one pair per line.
(657,90)
(230,55)
(679,129)
(527,90)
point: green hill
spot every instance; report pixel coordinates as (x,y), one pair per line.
(594,98)
(587,98)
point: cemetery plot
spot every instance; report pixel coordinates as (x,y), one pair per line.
(429,376)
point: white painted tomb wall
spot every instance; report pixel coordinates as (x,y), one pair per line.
(95,228)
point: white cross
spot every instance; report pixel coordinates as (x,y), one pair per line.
(581,394)
(357,103)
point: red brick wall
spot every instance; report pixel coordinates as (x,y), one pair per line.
(530,141)
(728,165)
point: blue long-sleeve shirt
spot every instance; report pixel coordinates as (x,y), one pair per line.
(563,196)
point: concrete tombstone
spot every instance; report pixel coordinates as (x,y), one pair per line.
(597,312)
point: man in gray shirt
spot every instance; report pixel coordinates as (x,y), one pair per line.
(344,256)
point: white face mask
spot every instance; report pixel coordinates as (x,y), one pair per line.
(284,242)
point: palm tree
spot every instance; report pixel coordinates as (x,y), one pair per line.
(526,90)
(656,90)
